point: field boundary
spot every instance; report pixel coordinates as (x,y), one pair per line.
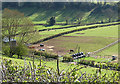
(73,25)
(109,45)
(80,29)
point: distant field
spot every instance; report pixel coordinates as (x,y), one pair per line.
(86,43)
(113,50)
(41,22)
(45,34)
(94,59)
(40,27)
(110,31)
(89,40)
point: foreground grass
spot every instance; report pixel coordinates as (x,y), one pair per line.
(53,64)
(12,71)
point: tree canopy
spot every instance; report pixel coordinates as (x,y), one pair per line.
(15,25)
(51,21)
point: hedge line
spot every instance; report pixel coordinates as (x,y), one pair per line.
(46,54)
(93,64)
(100,65)
(72,25)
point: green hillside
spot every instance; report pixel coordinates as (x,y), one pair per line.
(72,11)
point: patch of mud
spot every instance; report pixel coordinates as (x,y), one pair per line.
(50,46)
(50,49)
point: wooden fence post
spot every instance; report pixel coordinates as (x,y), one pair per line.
(40,59)
(33,60)
(33,68)
(58,65)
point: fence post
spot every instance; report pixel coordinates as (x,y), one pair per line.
(58,65)
(40,59)
(1,75)
(24,66)
(33,67)
(33,60)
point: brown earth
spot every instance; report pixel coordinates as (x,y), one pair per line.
(61,45)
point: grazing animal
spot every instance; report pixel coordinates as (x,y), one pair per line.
(71,50)
(41,45)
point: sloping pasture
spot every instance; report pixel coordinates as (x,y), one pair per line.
(88,40)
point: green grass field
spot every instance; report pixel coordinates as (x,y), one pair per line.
(45,34)
(110,31)
(90,32)
(41,22)
(62,66)
(113,50)
(88,40)
(94,59)
(49,27)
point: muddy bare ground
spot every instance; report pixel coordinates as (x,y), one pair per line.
(61,45)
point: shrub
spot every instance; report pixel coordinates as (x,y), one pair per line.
(67,59)
(21,50)
(92,63)
(8,51)
(46,54)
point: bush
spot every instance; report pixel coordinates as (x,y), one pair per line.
(67,59)
(21,50)
(46,54)
(92,63)
(7,51)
